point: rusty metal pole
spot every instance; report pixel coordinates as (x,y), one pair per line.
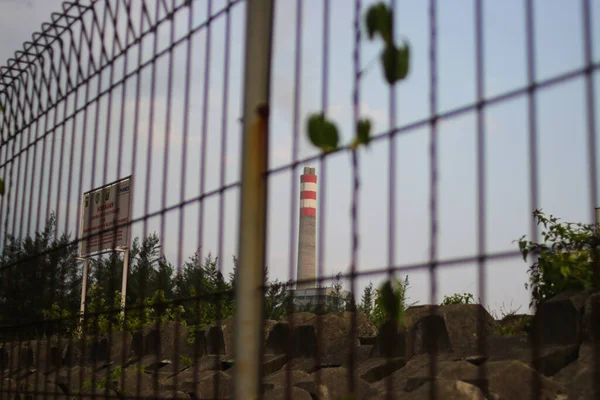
(253,205)
(596,251)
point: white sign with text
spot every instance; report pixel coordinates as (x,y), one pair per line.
(102,210)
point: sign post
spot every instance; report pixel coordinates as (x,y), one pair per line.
(124,278)
(84,280)
(105,218)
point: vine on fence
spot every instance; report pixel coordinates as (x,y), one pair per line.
(395,62)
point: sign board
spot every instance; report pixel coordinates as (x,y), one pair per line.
(102,210)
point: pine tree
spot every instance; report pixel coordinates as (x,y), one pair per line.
(366,305)
(337,300)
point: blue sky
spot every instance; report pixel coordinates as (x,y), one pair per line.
(563,180)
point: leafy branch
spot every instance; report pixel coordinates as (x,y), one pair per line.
(395,60)
(564,259)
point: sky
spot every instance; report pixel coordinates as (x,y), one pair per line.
(183,163)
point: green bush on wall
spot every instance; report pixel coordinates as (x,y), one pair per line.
(565,257)
(458,298)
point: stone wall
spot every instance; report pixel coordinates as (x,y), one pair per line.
(314,356)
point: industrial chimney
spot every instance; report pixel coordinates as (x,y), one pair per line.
(307,238)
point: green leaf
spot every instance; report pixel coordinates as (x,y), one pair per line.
(364,131)
(331,136)
(391,300)
(363,134)
(1,187)
(395,62)
(2,108)
(379,20)
(322,133)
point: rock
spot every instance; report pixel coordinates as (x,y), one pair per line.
(72,379)
(20,355)
(43,355)
(120,347)
(205,388)
(578,376)
(94,393)
(41,390)
(3,357)
(173,341)
(514,380)
(431,336)
(591,319)
(168,341)
(390,341)
(447,389)
(115,348)
(298,318)
(500,348)
(453,328)
(268,326)
(558,321)
(515,324)
(308,365)
(368,340)
(150,364)
(475,360)
(305,341)
(279,378)
(220,337)
(72,352)
(215,341)
(334,339)
(282,394)
(200,344)
(184,379)
(98,351)
(165,395)
(362,353)
(550,360)
(322,393)
(376,369)
(130,380)
(554,358)
(336,380)
(273,363)
(278,338)
(418,367)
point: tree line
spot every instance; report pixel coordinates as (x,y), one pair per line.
(40,289)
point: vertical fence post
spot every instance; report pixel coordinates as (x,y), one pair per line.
(596,252)
(253,207)
(125,274)
(84,280)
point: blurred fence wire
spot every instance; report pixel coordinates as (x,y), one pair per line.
(137,107)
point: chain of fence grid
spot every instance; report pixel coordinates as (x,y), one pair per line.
(85,103)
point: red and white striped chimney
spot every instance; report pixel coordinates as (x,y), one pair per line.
(306,270)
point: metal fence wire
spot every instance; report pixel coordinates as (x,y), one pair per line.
(170,227)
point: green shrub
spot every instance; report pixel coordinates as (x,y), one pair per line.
(518,326)
(104,316)
(564,257)
(458,298)
(390,301)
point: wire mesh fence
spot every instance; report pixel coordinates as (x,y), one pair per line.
(187,186)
